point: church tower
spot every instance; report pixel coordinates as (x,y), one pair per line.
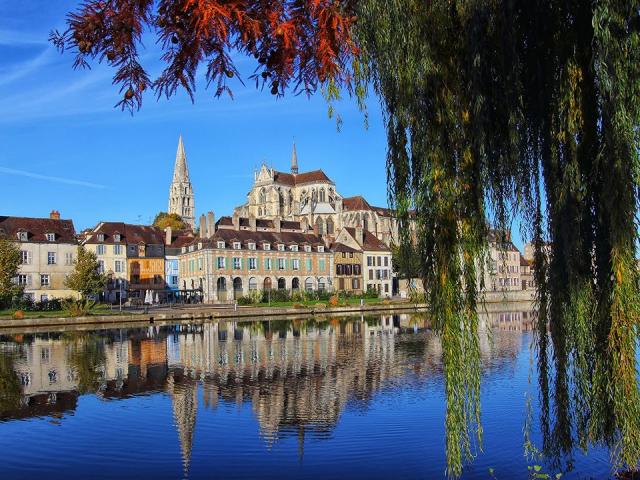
(181,199)
(294,160)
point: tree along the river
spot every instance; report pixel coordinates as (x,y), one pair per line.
(86,278)
(492,109)
(9,264)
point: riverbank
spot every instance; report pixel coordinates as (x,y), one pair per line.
(206,312)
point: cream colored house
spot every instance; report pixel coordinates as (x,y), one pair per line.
(48,250)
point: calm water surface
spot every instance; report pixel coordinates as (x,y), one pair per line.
(356,397)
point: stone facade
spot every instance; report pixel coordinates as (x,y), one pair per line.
(235,261)
(48,249)
(502,271)
(181,198)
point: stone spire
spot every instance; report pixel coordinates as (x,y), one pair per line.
(180,169)
(294,159)
(181,198)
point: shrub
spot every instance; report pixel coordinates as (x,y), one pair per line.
(78,308)
(298,305)
(18,314)
(334,301)
(371,293)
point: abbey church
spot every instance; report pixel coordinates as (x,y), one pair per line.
(312,198)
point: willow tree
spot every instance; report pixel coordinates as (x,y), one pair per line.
(493,109)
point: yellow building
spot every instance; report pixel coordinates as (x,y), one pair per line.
(347,268)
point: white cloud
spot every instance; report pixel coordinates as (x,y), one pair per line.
(49,178)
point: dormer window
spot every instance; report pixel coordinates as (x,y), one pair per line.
(321,249)
(220,244)
(294,248)
(101,237)
(236,245)
(252,246)
(281,247)
(116,237)
(22,236)
(307,248)
(51,237)
(184,249)
(191,248)
(266,246)
(199,245)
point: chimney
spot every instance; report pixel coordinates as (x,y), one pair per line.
(167,236)
(211,224)
(277,225)
(359,235)
(236,221)
(252,223)
(54,215)
(203,226)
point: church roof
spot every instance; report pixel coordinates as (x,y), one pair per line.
(358,202)
(180,169)
(301,178)
(341,247)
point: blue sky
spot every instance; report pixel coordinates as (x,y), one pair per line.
(64,146)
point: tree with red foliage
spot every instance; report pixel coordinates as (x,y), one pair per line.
(299,43)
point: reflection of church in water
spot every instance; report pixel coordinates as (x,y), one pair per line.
(297,375)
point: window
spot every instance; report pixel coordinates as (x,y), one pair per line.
(23,280)
(350,254)
(379,261)
(253,284)
(356,269)
(200,263)
(321,248)
(236,245)
(51,237)
(321,265)
(253,263)
(294,248)
(296,264)
(68,258)
(51,258)
(116,237)
(100,249)
(308,264)
(220,262)
(266,246)
(369,261)
(386,288)
(348,269)
(118,266)
(307,248)
(281,247)
(117,249)
(101,237)
(25,257)
(355,283)
(220,244)
(378,275)
(268,264)
(100,266)
(173,279)
(386,261)
(22,236)
(252,246)
(281,264)
(370,274)
(339,269)
(237,263)
(44,280)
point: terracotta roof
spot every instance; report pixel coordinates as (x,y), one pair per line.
(370,241)
(503,238)
(260,237)
(360,203)
(129,234)
(341,247)
(179,238)
(227,221)
(301,178)
(37,228)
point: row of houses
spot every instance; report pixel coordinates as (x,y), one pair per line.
(227,259)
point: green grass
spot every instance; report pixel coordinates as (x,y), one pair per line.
(98,310)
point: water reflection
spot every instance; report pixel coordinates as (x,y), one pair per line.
(299,376)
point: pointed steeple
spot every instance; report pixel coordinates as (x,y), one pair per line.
(294,159)
(180,169)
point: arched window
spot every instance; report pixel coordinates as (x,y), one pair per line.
(320,226)
(365,222)
(263,196)
(308,284)
(321,285)
(329,226)
(295,284)
(267,284)
(282,284)
(322,196)
(221,284)
(253,283)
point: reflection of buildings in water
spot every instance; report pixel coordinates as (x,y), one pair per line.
(184,398)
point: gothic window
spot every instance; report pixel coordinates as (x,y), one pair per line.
(329,226)
(322,196)
(320,226)
(263,196)
(365,222)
